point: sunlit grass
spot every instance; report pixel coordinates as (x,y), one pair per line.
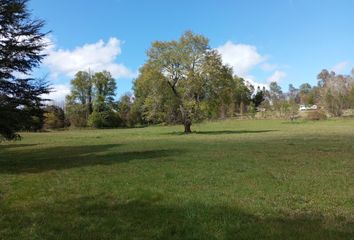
(228,180)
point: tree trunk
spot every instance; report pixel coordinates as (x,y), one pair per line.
(186,121)
(187,126)
(242,106)
(222,112)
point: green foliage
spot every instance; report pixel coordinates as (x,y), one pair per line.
(104,87)
(242,94)
(128,115)
(20,98)
(54,117)
(305,88)
(252,110)
(79,104)
(185,80)
(154,99)
(82,89)
(77,114)
(181,65)
(259,97)
(91,101)
(219,87)
(105,119)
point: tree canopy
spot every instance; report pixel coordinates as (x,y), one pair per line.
(21,50)
(185,80)
(91,101)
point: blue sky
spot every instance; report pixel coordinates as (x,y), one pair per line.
(289,41)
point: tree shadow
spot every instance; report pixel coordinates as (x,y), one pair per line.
(15,145)
(221,132)
(65,157)
(233,132)
(148,217)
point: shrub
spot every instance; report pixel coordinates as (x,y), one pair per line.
(315,115)
(77,115)
(54,117)
(106,119)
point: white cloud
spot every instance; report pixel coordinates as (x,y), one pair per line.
(241,57)
(58,93)
(340,67)
(245,58)
(94,56)
(277,76)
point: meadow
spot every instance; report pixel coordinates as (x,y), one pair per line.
(232,179)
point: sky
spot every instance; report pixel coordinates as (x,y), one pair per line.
(287,41)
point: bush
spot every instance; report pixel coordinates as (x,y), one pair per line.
(77,115)
(106,119)
(315,115)
(54,118)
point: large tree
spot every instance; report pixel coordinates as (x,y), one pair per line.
(79,104)
(91,100)
(306,93)
(259,96)
(335,91)
(105,86)
(182,64)
(185,81)
(154,99)
(21,49)
(217,86)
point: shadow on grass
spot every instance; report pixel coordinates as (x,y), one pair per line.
(65,157)
(15,145)
(148,217)
(224,132)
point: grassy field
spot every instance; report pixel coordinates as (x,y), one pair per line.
(228,180)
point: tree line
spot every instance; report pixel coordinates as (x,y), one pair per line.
(185,81)
(182,81)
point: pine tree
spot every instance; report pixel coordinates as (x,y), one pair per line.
(21,49)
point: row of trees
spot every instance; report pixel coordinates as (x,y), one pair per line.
(334,93)
(184,81)
(91,102)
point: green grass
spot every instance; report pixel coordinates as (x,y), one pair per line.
(229,180)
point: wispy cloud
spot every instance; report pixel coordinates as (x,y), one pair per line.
(340,67)
(277,76)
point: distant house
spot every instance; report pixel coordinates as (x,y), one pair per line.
(306,108)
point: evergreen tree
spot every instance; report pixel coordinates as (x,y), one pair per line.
(21,50)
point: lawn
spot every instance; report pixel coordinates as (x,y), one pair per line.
(260,179)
